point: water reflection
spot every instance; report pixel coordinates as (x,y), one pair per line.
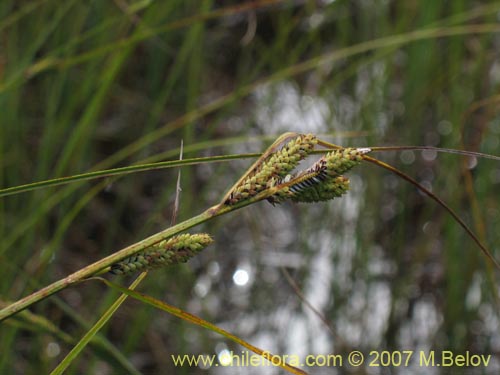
(241,277)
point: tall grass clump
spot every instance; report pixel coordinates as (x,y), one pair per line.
(92,93)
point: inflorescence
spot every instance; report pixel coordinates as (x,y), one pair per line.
(272,173)
(274,167)
(175,250)
(321,182)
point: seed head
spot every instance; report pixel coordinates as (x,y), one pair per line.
(330,189)
(340,161)
(273,168)
(175,250)
(322,181)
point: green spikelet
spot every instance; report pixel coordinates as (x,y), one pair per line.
(273,166)
(175,250)
(340,161)
(323,181)
(325,191)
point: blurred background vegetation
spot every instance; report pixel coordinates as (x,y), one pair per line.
(88,85)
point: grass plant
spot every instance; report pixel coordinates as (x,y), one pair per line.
(94,92)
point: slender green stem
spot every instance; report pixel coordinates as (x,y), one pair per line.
(98,267)
(209,159)
(120,171)
(436,149)
(202,323)
(103,265)
(91,333)
(430,194)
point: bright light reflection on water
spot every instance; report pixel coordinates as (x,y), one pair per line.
(241,277)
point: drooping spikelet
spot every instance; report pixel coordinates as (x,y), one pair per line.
(322,181)
(281,160)
(329,189)
(311,187)
(175,250)
(340,161)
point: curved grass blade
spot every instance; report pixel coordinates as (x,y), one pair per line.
(89,335)
(217,210)
(437,149)
(419,148)
(132,169)
(112,309)
(104,263)
(120,171)
(440,202)
(100,345)
(210,159)
(202,323)
(310,306)
(430,194)
(37,324)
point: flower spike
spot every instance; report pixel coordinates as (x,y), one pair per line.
(280,159)
(322,181)
(175,250)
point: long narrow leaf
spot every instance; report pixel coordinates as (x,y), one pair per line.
(89,335)
(201,322)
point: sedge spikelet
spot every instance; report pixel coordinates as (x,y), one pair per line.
(273,167)
(175,250)
(323,180)
(340,161)
(325,191)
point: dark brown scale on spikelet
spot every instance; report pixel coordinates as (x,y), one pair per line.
(175,250)
(275,167)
